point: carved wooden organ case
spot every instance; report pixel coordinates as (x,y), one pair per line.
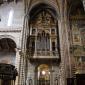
(43,41)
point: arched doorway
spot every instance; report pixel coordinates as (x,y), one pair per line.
(43,74)
(8,71)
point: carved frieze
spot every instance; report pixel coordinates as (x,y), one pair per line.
(7,71)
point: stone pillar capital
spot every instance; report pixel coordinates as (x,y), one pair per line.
(17,49)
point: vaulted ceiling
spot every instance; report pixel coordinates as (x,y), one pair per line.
(42,7)
(75,7)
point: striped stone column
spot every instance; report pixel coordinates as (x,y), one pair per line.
(21,79)
(22,63)
(63,42)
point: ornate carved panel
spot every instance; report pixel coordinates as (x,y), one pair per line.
(78,43)
(43,33)
(7,71)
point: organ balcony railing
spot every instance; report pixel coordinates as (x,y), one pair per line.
(43,54)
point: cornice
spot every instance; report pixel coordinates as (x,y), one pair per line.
(10,30)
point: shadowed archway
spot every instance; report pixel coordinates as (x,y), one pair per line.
(8,70)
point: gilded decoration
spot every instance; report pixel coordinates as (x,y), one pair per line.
(78,34)
(43,35)
(78,45)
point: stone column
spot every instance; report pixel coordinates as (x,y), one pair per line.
(22,63)
(26,5)
(63,43)
(17,63)
(0,81)
(67,45)
(17,58)
(16,81)
(56,75)
(52,76)
(21,79)
(30,73)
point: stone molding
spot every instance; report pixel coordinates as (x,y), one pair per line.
(11,30)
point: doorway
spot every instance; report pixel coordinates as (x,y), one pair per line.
(43,74)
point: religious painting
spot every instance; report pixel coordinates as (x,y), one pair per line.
(76,38)
(76,34)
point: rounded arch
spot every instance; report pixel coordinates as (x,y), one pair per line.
(7,44)
(43,74)
(42,65)
(9,37)
(7,51)
(38,5)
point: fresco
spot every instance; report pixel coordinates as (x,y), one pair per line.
(78,35)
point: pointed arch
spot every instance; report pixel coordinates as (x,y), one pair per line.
(39,6)
(73,6)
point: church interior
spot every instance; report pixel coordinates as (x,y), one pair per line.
(42,42)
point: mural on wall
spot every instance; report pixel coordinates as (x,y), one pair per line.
(77,50)
(80,64)
(78,45)
(76,34)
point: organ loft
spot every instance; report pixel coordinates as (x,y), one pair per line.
(42,42)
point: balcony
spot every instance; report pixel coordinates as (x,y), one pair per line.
(43,55)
